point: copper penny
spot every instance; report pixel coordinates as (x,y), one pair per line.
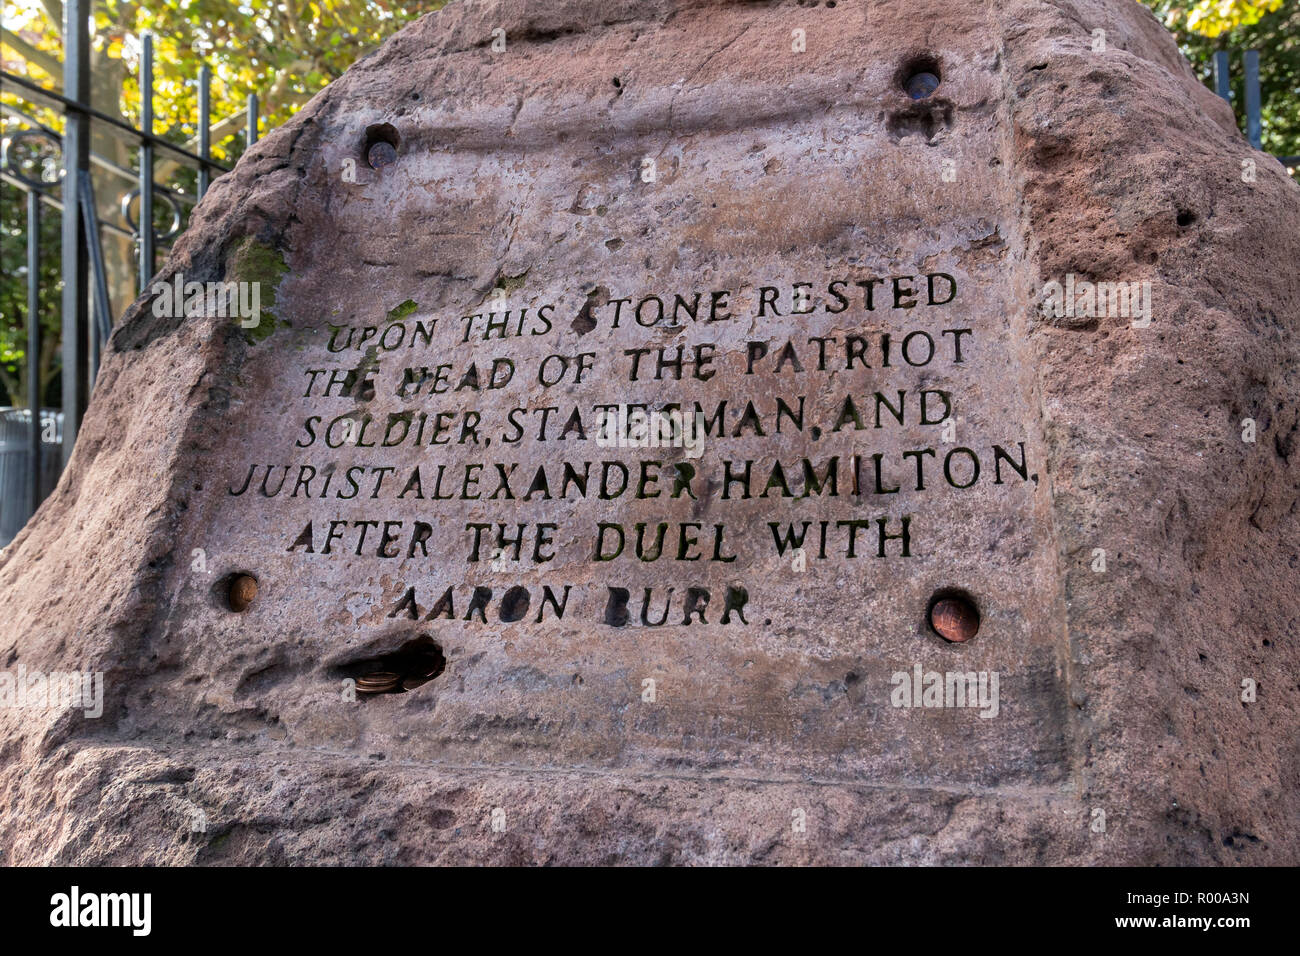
(955,619)
(243,591)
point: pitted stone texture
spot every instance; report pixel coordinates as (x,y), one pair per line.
(225,738)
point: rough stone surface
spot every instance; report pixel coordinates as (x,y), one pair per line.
(522,171)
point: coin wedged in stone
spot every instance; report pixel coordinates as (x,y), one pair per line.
(243,591)
(955,619)
(378,682)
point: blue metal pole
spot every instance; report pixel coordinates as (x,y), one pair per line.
(145,226)
(34,345)
(1254,124)
(76,157)
(252,119)
(205,132)
(1221,80)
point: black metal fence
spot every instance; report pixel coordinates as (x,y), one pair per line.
(1254,113)
(54,169)
(23,488)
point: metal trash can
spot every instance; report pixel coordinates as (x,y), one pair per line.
(15,451)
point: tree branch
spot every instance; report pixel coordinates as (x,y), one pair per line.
(54,10)
(46,61)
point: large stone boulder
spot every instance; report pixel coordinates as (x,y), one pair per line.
(979,541)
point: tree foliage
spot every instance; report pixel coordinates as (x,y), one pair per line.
(1211,18)
(284,52)
(1203,27)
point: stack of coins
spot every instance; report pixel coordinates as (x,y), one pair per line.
(378,682)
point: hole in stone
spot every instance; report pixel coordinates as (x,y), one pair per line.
(1185,218)
(379,148)
(920,77)
(415,663)
(953,615)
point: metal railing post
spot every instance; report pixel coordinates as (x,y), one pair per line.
(76,157)
(146,163)
(1222,84)
(252,120)
(34,347)
(1254,125)
(102,325)
(205,131)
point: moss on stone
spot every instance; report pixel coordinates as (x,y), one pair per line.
(510,284)
(254,261)
(402,311)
